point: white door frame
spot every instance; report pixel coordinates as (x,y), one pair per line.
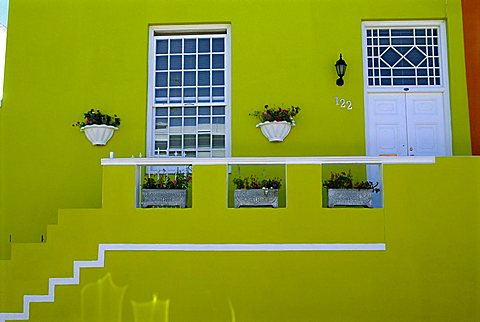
(443,88)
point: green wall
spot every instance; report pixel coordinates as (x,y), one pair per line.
(66,56)
(428,272)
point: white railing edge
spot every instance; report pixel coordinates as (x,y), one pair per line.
(270,160)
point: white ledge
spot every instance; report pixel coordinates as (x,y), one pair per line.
(270,160)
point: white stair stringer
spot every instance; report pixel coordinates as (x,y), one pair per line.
(102,248)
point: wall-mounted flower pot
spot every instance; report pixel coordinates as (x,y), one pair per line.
(164,198)
(350,197)
(99,134)
(256,198)
(275,131)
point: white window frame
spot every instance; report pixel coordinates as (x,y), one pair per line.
(3,49)
(181,29)
(3,43)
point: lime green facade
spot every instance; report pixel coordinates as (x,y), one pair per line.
(67,56)
(428,272)
(64,57)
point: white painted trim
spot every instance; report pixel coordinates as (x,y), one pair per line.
(269,160)
(102,248)
(444,88)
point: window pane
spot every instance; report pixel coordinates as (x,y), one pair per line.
(175,111)
(218,125)
(189,62)
(204,111)
(161,123)
(218,110)
(176,125)
(175,95)
(160,79)
(175,78)
(218,78)
(162,63)
(218,61)
(190,111)
(218,94)
(161,95)
(204,78)
(190,121)
(218,44)
(162,46)
(190,46)
(175,46)
(161,145)
(204,45)
(218,141)
(204,140)
(189,79)
(203,61)
(190,141)
(176,141)
(204,123)
(161,111)
(176,62)
(204,94)
(189,94)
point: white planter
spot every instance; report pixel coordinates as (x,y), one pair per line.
(99,134)
(256,198)
(350,197)
(275,131)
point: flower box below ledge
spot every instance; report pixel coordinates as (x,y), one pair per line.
(164,198)
(342,191)
(350,197)
(256,198)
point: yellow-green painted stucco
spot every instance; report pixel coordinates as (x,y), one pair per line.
(429,271)
(64,57)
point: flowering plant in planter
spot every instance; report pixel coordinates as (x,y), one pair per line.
(98,127)
(166,190)
(253,182)
(344,180)
(277,114)
(276,122)
(96,117)
(179,180)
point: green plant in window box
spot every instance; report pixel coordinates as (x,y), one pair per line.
(276,122)
(163,190)
(253,192)
(98,127)
(343,191)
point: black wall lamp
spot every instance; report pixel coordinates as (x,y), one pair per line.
(340,66)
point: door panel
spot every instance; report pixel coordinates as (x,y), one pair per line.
(386,122)
(425,124)
(406,124)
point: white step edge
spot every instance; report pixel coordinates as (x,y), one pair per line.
(102,248)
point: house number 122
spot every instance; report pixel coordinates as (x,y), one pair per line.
(343,103)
